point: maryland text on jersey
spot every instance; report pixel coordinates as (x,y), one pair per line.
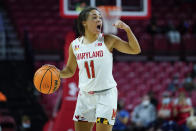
(87,55)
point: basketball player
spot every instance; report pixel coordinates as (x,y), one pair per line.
(92,52)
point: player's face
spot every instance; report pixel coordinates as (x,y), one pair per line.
(93,23)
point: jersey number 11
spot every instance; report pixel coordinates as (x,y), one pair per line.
(88,70)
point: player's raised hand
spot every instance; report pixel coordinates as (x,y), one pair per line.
(121,25)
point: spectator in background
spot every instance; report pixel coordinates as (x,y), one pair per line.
(190,80)
(175,84)
(26,123)
(182,111)
(143,115)
(174,35)
(122,118)
(165,107)
(165,119)
(181,94)
(188,83)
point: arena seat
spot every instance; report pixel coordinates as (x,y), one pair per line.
(146,43)
(189,44)
(33,14)
(160,43)
(147,76)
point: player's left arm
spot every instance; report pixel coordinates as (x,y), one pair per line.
(130,47)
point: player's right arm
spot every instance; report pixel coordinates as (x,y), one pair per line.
(70,68)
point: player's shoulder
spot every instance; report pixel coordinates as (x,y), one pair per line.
(110,37)
(76,41)
(106,36)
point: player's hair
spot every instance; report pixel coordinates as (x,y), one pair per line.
(83,17)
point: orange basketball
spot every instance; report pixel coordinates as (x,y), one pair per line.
(47,79)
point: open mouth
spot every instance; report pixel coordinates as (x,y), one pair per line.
(99,27)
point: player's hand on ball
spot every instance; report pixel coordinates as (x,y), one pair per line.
(121,25)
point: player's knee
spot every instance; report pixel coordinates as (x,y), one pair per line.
(102,120)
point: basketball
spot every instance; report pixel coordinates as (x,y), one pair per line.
(47,79)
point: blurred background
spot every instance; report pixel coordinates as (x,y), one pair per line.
(157,89)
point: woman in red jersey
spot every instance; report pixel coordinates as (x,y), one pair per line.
(182,111)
